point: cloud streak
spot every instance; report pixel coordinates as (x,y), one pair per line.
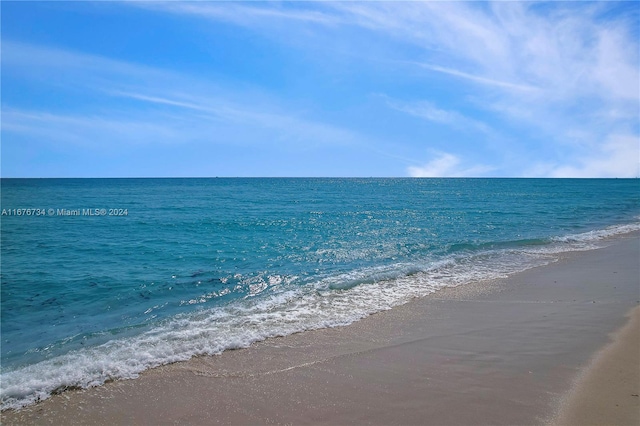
(242,14)
(95,132)
(426,110)
(186,108)
(481,80)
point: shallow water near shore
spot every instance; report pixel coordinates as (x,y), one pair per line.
(188,267)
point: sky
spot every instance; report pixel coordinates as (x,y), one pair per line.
(326,89)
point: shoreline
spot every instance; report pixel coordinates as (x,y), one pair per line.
(607,391)
(502,352)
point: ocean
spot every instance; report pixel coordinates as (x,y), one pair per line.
(102,279)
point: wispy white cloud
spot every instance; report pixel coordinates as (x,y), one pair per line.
(161,100)
(186,108)
(615,70)
(447,165)
(286,127)
(246,14)
(618,156)
(59,66)
(482,80)
(565,52)
(92,131)
(428,111)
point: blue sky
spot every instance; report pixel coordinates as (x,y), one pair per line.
(145,89)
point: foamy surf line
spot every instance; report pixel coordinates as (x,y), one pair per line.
(331,302)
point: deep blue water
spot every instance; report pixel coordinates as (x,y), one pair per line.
(179,267)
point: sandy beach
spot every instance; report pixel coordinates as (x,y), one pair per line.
(543,346)
(607,390)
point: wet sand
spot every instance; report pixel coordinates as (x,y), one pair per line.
(507,352)
(608,390)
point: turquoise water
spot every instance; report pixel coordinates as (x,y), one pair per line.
(104,278)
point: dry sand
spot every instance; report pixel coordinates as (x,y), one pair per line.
(490,353)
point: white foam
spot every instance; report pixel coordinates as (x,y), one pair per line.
(599,234)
